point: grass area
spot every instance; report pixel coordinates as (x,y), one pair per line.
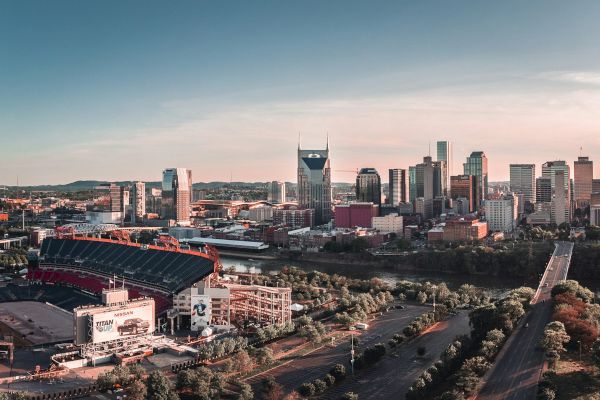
(18,340)
(576,380)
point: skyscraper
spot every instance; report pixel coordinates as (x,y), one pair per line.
(444,153)
(543,190)
(477,165)
(116,200)
(583,176)
(314,183)
(276,192)
(139,201)
(176,195)
(424,179)
(522,180)
(440,177)
(412,183)
(397,186)
(560,208)
(368,186)
(465,186)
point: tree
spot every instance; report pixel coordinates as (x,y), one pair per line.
(338,371)
(596,352)
(320,386)
(106,380)
(159,387)
(270,389)
(421,297)
(350,396)
(246,392)
(553,340)
(136,390)
(241,361)
(329,379)
(307,389)
(264,356)
(185,378)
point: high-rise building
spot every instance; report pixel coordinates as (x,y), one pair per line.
(397,186)
(465,187)
(412,183)
(424,179)
(522,180)
(543,190)
(583,173)
(368,186)
(116,200)
(190,185)
(595,185)
(444,153)
(548,171)
(139,201)
(560,207)
(276,192)
(175,200)
(314,183)
(477,165)
(440,178)
(502,214)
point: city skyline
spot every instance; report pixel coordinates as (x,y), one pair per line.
(122,87)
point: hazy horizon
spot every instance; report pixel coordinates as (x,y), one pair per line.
(115,91)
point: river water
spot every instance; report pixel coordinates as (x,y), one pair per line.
(495,285)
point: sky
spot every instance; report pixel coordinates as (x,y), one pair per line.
(120,90)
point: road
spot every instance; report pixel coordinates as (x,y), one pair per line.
(391,377)
(517,370)
(318,363)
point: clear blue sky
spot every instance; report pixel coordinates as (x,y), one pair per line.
(122,89)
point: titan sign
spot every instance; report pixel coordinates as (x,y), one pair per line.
(118,324)
(201,312)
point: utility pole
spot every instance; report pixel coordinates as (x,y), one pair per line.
(352,352)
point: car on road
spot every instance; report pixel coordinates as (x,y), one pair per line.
(400,307)
(545,285)
(133,326)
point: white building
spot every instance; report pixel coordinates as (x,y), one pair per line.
(277,192)
(391,223)
(502,214)
(260,213)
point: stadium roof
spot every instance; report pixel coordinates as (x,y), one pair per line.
(226,243)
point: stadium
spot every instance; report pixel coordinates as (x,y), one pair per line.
(90,263)
(179,280)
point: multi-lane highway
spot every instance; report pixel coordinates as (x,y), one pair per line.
(517,370)
(317,364)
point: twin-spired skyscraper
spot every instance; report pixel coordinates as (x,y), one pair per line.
(314,183)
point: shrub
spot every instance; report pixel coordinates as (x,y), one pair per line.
(320,386)
(329,380)
(338,371)
(307,389)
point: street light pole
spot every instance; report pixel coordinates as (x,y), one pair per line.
(352,352)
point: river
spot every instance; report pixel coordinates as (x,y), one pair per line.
(495,285)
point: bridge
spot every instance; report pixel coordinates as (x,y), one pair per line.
(518,367)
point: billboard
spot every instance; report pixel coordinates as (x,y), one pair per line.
(201,312)
(135,319)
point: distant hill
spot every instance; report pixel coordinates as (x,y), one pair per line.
(91,184)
